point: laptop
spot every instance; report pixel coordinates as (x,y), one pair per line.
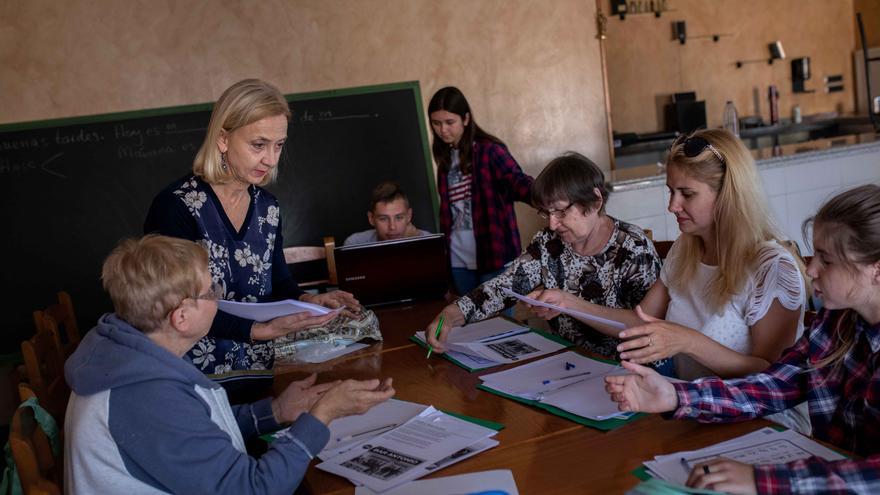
(395,271)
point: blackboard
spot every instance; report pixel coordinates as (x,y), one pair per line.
(71,188)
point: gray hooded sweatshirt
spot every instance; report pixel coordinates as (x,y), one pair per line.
(142,420)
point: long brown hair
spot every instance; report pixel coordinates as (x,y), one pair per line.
(742,222)
(849,225)
(452,100)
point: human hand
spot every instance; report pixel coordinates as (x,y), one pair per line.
(555,297)
(298,398)
(284,325)
(452,317)
(351,397)
(656,339)
(724,475)
(643,391)
(336,299)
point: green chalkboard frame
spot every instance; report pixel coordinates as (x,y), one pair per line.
(292,97)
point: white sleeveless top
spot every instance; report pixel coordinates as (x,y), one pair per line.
(776,278)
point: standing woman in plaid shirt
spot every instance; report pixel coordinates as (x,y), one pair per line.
(478,181)
(835,367)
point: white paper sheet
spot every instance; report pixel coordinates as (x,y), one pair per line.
(268,311)
(765,446)
(409,451)
(352,430)
(500,480)
(571,312)
(568,381)
(509,349)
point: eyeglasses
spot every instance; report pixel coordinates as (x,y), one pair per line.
(693,146)
(557,214)
(214,292)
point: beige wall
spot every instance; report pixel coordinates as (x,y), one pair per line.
(644,62)
(870,10)
(531,70)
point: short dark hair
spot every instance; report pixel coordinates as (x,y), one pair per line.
(387,192)
(570,177)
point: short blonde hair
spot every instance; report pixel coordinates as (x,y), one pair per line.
(147,278)
(243,103)
(742,222)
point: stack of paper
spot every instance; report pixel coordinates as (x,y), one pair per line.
(390,450)
(495,482)
(568,381)
(765,446)
(269,311)
(495,341)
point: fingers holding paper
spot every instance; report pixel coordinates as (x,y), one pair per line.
(336,299)
(656,339)
(555,297)
(723,475)
(644,390)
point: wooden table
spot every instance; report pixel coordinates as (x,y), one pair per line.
(547,454)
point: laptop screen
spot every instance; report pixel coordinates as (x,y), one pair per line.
(394,271)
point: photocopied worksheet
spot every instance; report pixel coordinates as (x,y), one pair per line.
(422,445)
(764,446)
(493,342)
(499,481)
(569,381)
(352,430)
(262,312)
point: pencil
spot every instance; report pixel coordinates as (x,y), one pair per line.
(436,335)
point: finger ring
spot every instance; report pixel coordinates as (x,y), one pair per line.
(706,468)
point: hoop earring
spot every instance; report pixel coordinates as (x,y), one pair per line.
(223,163)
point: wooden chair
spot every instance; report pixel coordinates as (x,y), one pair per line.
(38,469)
(302,254)
(45,372)
(60,319)
(662,247)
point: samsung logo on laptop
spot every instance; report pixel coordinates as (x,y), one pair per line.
(352,279)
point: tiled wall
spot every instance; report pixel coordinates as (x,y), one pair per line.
(795,188)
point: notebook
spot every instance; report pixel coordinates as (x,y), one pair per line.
(394,271)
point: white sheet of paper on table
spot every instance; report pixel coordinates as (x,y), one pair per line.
(409,451)
(500,480)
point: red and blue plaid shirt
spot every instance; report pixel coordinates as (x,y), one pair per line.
(497,182)
(844,403)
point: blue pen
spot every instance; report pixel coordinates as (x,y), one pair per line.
(561,378)
(569,366)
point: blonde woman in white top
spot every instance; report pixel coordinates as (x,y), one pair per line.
(730,298)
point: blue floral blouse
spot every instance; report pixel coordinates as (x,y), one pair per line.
(248,264)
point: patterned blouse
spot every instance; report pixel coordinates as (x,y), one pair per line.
(618,277)
(248,264)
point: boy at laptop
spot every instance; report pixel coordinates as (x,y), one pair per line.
(389,214)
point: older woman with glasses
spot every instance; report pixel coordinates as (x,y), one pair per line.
(731,295)
(584,253)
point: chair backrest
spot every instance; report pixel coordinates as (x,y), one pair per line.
(61,322)
(37,468)
(45,372)
(663,248)
(302,254)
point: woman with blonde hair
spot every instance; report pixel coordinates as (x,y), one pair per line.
(833,367)
(731,298)
(222,205)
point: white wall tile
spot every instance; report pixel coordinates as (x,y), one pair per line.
(811,176)
(774,180)
(637,203)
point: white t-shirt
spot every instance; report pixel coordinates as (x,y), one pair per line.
(462,243)
(776,278)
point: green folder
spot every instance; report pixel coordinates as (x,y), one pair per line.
(546,335)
